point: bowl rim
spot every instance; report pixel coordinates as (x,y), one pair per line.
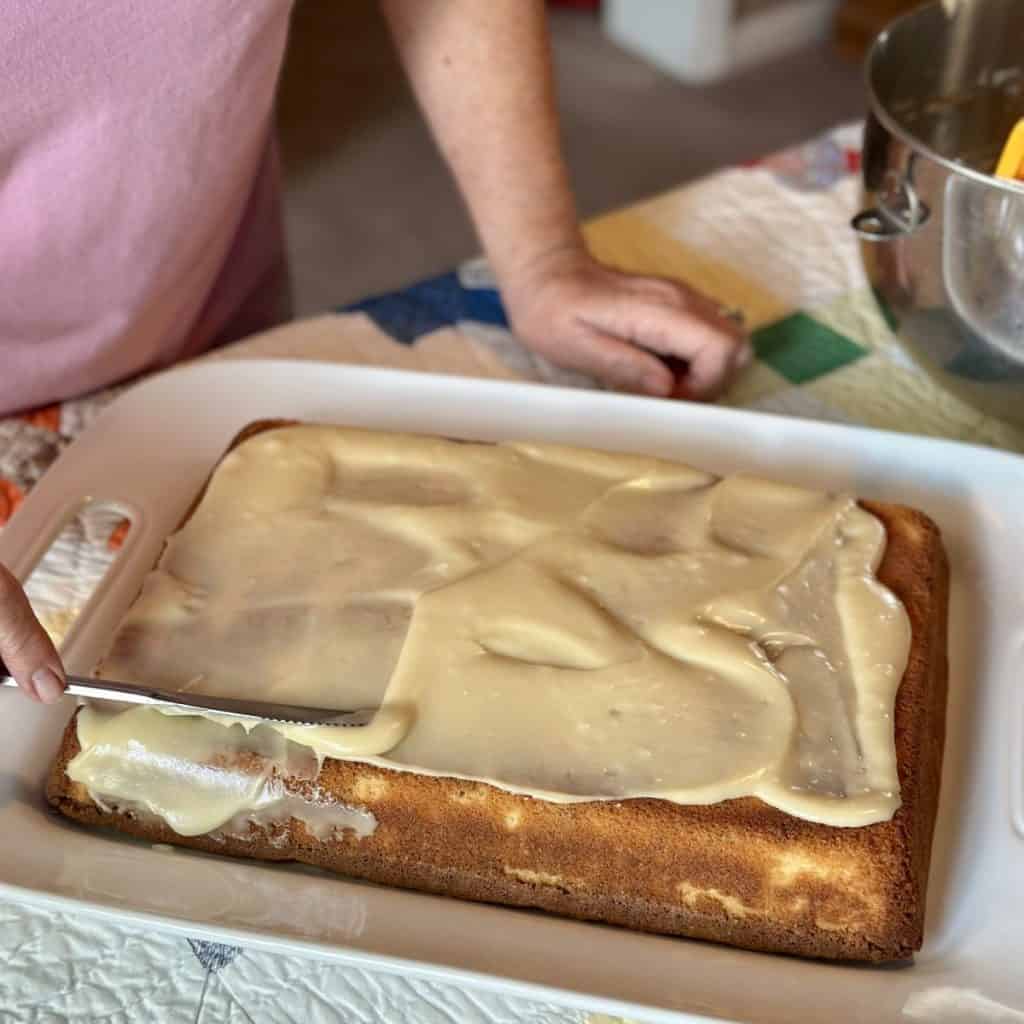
(878,110)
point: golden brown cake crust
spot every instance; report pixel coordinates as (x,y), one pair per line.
(738,872)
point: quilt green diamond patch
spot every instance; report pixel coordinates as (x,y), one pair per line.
(802,349)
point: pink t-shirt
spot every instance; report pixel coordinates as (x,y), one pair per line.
(139,216)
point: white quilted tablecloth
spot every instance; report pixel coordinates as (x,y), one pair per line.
(772,239)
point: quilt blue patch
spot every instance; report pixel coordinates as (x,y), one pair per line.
(429,305)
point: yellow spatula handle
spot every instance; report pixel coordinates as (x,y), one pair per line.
(1011,163)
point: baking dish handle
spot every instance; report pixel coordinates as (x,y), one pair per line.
(34,529)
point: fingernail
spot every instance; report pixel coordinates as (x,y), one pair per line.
(656,384)
(48,685)
(746,356)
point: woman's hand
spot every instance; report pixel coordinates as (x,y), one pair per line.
(613,326)
(25,647)
(482,72)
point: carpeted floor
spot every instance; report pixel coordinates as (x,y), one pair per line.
(369,204)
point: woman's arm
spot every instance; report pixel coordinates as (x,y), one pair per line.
(482,72)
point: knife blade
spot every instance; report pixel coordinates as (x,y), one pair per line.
(232,707)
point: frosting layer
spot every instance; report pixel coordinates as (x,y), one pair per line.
(572,624)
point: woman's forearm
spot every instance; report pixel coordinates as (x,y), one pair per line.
(481,69)
(482,72)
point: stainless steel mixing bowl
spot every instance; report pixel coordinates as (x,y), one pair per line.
(942,240)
